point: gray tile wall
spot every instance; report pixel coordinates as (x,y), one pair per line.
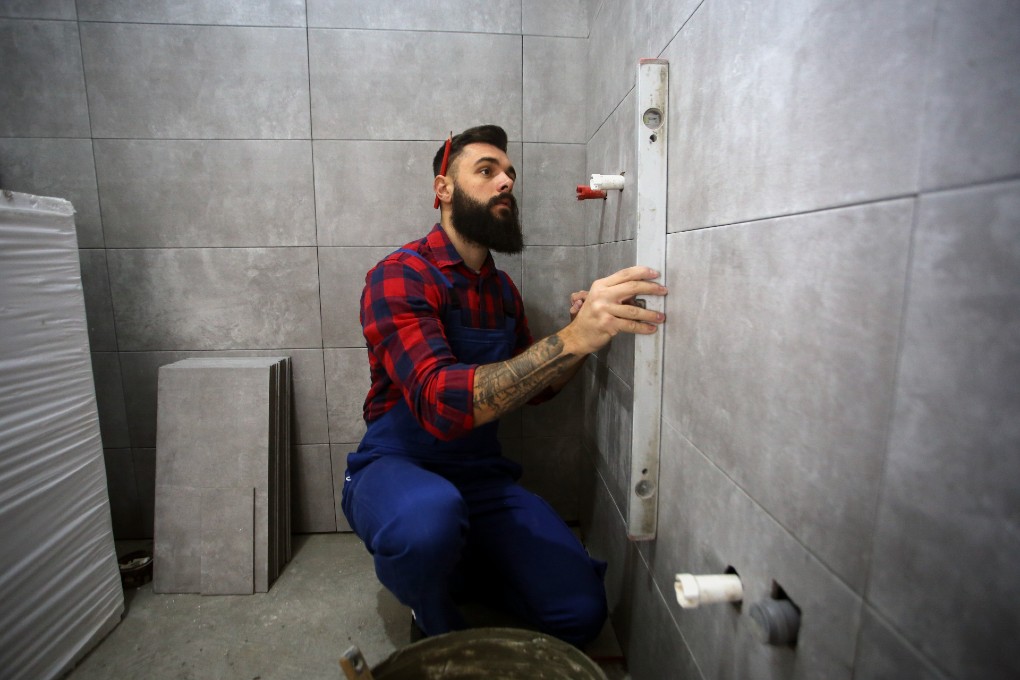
(839,410)
(237,167)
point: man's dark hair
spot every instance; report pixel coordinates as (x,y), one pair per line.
(485,134)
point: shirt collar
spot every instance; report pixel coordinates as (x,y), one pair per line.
(444,254)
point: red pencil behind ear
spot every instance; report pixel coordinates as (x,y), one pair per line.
(442,168)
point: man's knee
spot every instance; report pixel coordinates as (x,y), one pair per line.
(581,621)
(430,530)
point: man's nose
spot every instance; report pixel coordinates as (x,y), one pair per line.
(506,183)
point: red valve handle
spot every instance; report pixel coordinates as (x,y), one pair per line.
(585,192)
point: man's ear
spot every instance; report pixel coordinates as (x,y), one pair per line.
(443,186)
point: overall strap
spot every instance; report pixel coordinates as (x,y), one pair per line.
(436,269)
(506,289)
(450,294)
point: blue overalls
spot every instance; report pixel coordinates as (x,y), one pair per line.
(445,520)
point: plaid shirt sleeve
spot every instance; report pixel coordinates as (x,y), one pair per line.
(402,321)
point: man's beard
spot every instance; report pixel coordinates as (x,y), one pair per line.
(476,222)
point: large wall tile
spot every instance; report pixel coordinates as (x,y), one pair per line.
(165,194)
(619,353)
(780,353)
(554,90)
(374,193)
(341,279)
(609,419)
(971,130)
(512,265)
(308,398)
(654,646)
(95,283)
(422,101)
(605,537)
(207,82)
(123,493)
(707,524)
(215,298)
(556,17)
(622,33)
(338,458)
(550,470)
(477,16)
(110,400)
(312,507)
(38,9)
(63,168)
(355,186)
(947,522)
(612,61)
(347,383)
(786,106)
(551,274)
(43,90)
(883,653)
(145,479)
(612,152)
(656,23)
(247,13)
(552,215)
(561,415)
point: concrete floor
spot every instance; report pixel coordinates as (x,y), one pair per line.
(326,599)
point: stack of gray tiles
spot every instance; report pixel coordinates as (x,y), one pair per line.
(222,524)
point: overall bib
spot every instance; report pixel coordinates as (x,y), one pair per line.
(446,519)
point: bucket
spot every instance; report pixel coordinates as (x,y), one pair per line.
(135,568)
(487,653)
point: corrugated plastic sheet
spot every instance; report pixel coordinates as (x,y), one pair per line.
(60,589)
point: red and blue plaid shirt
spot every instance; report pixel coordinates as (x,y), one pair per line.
(402,308)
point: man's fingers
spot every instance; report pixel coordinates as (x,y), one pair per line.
(607,309)
(635,313)
(639,328)
(631,289)
(637,273)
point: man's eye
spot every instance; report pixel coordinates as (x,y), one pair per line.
(486,171)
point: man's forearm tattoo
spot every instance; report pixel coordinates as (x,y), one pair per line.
(504,386)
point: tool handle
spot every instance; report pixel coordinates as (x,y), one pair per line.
(354,665)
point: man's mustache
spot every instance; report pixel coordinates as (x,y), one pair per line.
(505,196)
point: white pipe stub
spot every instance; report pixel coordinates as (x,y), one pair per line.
(695,590)
(603,182)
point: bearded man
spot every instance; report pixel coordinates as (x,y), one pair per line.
(449,351)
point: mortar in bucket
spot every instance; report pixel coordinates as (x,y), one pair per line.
(479,654)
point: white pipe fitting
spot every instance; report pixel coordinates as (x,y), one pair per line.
(693,591)
(603,182)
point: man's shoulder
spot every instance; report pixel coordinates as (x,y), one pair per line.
(410,260)
(406,256)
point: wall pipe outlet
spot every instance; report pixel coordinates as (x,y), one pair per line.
(693,591)
(603,182)
(598,185)
(775,622)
